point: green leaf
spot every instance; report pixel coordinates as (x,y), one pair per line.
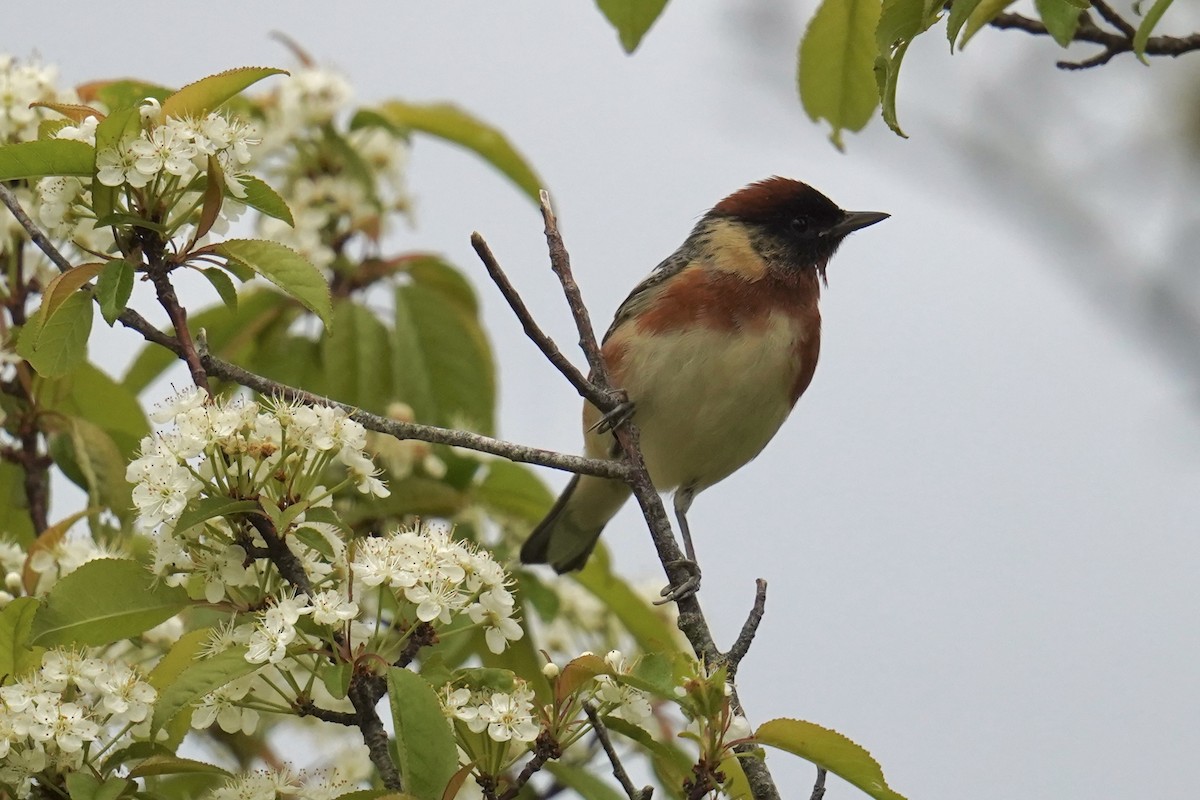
(960,12)
(631,18)
(647,625)
(198,679)
(62,286)
(197,99)
(113,288)
(17,655)
(582,781)
(899,21)
(123,93)
(221,281)
(356,355)
(183,654)
(74,112)
(449,122)
(1061,18)
(262,198)
(30,160)
(283,267)
(984,12)
(514,491)
(14,505)
(105,601)
(58,346)
(830,750)
(670,759)
(101,466)
(428,757)
(443,363)
(214,196)
(202,509)
(85,786)
(836,65)
(174,765)
(1142,36)
(233,336)
(92,395)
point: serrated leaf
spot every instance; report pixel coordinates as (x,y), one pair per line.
(174,765)
(62,286)
(198,679)
(101,465)
(1146,28)
(75,112)
(183,654)
(113,288)
(97,398)
(17,656)
(836,65)
(960,12)
(262,198)
(356,355)
(123,93)
(449,122)
(105,601)
(631,18)
(224,286)
(443,363)
(899,21)
(197,99)
(285,268)
(1061,19)
(984,12)
(578,672)
(669,758)
(202,509)
(830,750)
(59,345)
(427,754)
(31,160)
(514,491)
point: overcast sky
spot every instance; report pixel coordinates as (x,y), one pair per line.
(979,525)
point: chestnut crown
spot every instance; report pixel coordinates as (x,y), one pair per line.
(796,213)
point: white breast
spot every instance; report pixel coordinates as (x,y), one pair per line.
(708,401)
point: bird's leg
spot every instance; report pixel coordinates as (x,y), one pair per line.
(615,418)
(691,584)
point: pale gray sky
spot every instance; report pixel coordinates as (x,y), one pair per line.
(979,525)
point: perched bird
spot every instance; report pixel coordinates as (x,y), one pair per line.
(712,349)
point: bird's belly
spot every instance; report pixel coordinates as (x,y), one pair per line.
(708,401)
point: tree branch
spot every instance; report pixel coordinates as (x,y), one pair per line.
(741,645)
(619,772)
(1113,43)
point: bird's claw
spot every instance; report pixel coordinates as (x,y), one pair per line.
(685,588)
(614,419)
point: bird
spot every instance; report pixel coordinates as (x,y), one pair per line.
(712,350)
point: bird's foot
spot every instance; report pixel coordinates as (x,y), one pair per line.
(685,588)
(615,418)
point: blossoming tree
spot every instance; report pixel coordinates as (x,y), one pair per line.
(305,589)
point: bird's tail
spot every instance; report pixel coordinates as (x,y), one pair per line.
(568,534)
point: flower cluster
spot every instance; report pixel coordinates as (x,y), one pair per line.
(504,716)
(440,578)
(22,85)
(175,151)
(275,454)
(620,699)
(49,718)
(264,785)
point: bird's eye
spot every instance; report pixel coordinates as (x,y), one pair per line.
(799,224)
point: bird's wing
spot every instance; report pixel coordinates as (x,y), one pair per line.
(645,292)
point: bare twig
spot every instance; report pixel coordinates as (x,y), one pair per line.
(307,708)
(1113,43)
(364,693)
(549,349)
(741,645)
(619,772)
(818,791)
(178,316)
(545,748)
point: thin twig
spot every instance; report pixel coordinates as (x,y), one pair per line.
(818,791)
(549,349)
(741,645)
(1113,18)
(1113,43)
(35,233)
(619,772)
(307,708)
(178,316)
(364,693)
(545,748)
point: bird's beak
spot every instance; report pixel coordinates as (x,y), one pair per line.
(854,220)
